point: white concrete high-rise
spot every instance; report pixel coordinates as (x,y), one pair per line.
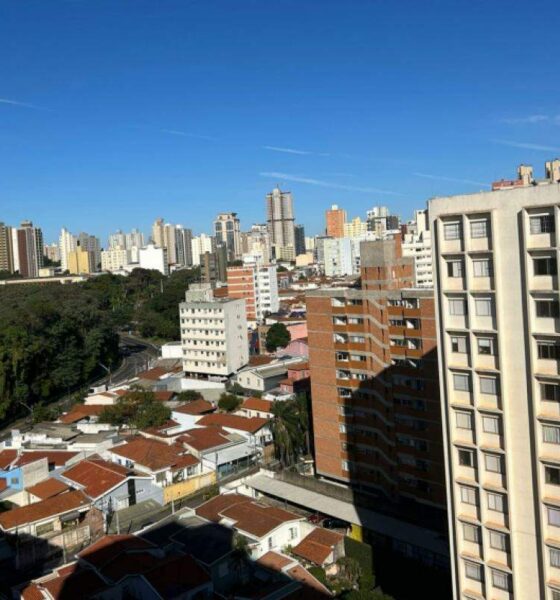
(227,230)
(201,244)
(280,221)
(67,243)
(153,257)
(498,322)
(417,242)
(213,333)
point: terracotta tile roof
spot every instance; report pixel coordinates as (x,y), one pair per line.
(81,411)
(3,484)
(298,573)
(177,575)
(221,292)
(259,360)
(250,425)
(67,583)
(303,366)
(162,430)
(7,457)
(97,476)
(318,545)
(259,404)
(106,549)
(59,458)
(128,563)
(204,438)
(48,488)
(196,407)
(163,395)
(155,455)
(248,515)
(153,374)
(43,510)
(275,561)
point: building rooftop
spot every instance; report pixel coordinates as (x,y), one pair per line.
(48,488)
(155,455)
(205,438)
(7,457)
(96,476)
(82,411)
(318,545)
(259,404)
(249,425)
(57,458)
(44,509)
(106,549)
(196,407)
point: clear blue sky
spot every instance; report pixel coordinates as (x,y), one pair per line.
(115,112)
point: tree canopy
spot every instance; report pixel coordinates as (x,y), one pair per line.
(138,409)
(278,336)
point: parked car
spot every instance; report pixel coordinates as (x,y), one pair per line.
(335,524)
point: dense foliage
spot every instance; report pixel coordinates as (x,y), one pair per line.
(290,429)
(229,402)
(54,337)
(278,336)
(138,409)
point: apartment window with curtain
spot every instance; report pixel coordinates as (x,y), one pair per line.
(455,268)
(471,533)
(493,463)
(461,382)
(452,231)
(482,267)
(498,540)
(496,502)
(468,495)
(457,307)
(489,385)
(553,516)
(500,580)
(486,346)
(473,570)
(479,228)
(459,344)
(541,224)
(551,434)
(554,557)
(491,424)
(483,307)
(464,420)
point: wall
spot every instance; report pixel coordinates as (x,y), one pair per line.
(187,487)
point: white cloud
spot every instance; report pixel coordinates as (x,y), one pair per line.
(526,145)
(22,104)
(326,184)
(452,179)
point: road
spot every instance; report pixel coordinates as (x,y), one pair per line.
(141,355)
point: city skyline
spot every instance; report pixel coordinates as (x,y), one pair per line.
(376,128)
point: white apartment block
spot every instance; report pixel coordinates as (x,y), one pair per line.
(152,257)
(200,245)
(67,242)
(497,299)
(213,333)
(267,300)
(339,256)
(115,259)
(418,244)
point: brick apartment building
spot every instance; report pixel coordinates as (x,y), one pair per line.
(374,381)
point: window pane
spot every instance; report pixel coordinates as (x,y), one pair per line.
(481,268)
(551,434)
(471,533)
(452,231)
(459,344)
(500,580)
(473,571)
(466,458)
(541,224)
(495,502)
(548,350)
(547,308)
(455,268)
(498,540)
(464,420)
(461,382)
(456,306)
(486,346)
(491,424)
(493,463)
(483,307)
(479,229)
(468,495)
(552,475)
(554,557)
(488,385)
(553,516)
(545,265)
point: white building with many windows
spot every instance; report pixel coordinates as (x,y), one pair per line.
(213,333)
(418,244)
(497,300)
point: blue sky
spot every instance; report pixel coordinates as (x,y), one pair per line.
(115,112)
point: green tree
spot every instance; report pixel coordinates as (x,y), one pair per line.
(189,396)
(229,402)
(290,429)
(278,336)
(138,409)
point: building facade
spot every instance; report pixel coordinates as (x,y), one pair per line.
(417,243)
(496,281)
(335,218)
(213,333)
(153,257)
(374,381)
(299,232)
(227,231)
(6,249)
(29,249)
(280,221)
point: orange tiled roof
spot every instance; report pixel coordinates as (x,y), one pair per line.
(153,374)
(259,404)
(57,457)
(204,438)
(250,425)
(273,560)
(7,457)
(196,407)
(155,455)
(67,582)
(48,488)
(97,476)
(81,411)
(177,573)
(43,510)
(106,549)
(318,545)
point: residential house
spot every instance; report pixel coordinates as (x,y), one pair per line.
(255,430)
(266,377)
(321,547)
(256,407)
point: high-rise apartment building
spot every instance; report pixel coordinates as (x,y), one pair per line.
(67,243)
(340,256)
(81,261)
(200,244)
(417,242)
(227,230)
(183,244)
(52,252)
(213,265)
(153,257)
(335,218)
(374,378)
(497,291)
(299,233)
(213,333)
(116,259)
(6,249)
(380,221)
(257,284)
(356,228)
(90,243)
(257,241)
(280,222)
(29,249)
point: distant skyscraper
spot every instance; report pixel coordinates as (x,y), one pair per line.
(200,244)
(335,218)
(299,233)
(226,229)
(30,249)
(280,220)
(6,249)
(91,244)
(52,252)
(380,220)
(66,243)
(176,240)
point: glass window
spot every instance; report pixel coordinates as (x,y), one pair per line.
(554,557)
(483,307)
(547,308)
(541,224)
(500,580)
(491,424)
(551,434)
(552,475)
(493,463)
(553,516)
(471,533)
(468,495)
(44,528)
(489,385)
(479,229)
(455,268)
(452,231)
(473,570)
(498,540)
(495,502)
(461,382)
(456,306)
(459,344)
(482,267)
(466,458)
(555,595)
(548,350)
(464,420)
(486,346)
(550,391)
(545,265)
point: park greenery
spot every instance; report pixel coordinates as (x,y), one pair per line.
(138,409)
(54,338)
(229,402)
